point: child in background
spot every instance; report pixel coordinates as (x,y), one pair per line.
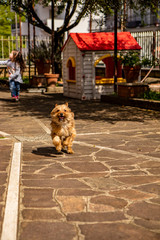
(15,66)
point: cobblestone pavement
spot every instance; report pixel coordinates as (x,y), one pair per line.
(107,190)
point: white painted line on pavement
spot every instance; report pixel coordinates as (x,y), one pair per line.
(9,228)
(88,134)
(4,134)
(46,129)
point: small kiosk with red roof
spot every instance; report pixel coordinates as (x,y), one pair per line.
(88,63)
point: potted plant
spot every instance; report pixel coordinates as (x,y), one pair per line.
(51,79)
(132,64)
(41,56)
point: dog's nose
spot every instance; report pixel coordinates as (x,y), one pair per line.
(61,114)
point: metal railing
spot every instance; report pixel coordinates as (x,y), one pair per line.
(7,44)
(150,43)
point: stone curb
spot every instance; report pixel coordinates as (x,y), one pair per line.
(135,102)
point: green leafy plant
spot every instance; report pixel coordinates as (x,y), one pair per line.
(41,52)
(26,80)
(146,62)
(133,59)
(152,95)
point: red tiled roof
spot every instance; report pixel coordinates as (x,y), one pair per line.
(104,41)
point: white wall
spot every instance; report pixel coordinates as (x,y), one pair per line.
(82,27)
(42,12)
(72,89)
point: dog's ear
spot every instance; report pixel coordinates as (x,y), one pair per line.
(51,113)
(66,104)
(56,105)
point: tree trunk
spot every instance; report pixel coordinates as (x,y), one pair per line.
(115,49)
(58,44)
(53,35)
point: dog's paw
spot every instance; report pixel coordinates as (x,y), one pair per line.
(70,151)
(58,149)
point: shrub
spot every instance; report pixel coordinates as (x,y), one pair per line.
(151,95)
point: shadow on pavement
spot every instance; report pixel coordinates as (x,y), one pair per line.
(6,100)
(40,105)
(47,151)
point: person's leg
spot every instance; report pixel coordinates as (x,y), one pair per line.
(12,88)
(17,89)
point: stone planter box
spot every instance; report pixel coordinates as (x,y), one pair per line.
(132,90)
(131,73)
(155,87)
(134,102)
(155,73)
(42,67)
(51,79)
(38,81)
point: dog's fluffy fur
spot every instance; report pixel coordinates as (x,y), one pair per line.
(63,127)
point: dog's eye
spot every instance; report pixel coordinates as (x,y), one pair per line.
(65,110)
(57,110)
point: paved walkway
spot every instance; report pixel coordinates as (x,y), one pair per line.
(108,190)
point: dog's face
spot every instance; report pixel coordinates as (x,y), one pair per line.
(62,114)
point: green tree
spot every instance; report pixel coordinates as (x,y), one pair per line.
(6,19)
(142,5)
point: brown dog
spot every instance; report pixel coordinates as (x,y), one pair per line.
(63,127)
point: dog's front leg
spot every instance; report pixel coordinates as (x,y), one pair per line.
(68,143)
(57,143)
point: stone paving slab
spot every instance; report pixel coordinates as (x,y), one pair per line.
(108,189)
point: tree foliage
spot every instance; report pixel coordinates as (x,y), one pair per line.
(142,5)
(6,19)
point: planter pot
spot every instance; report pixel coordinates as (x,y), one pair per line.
(38,81)
(51,79)
(131,73)
(132,90)
(42,67)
